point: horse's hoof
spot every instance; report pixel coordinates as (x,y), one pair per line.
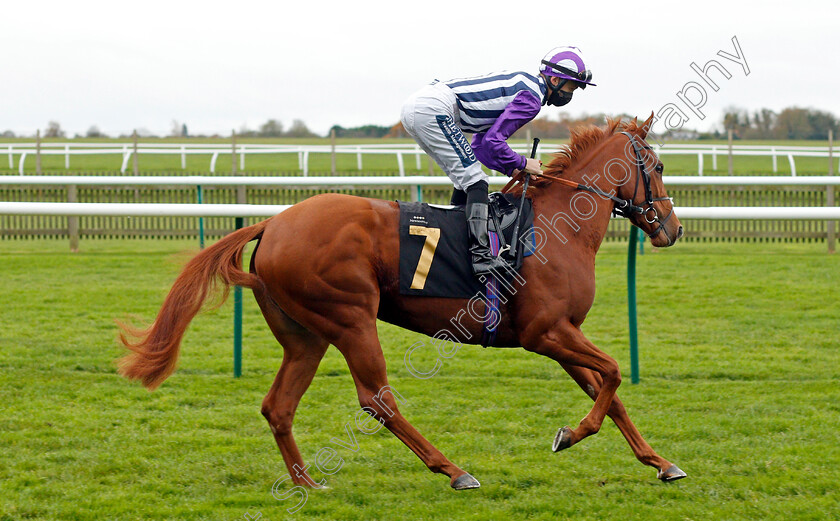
(464,482)
(563,440)
(672,473)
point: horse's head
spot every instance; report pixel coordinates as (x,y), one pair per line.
(620,153)
(649,206)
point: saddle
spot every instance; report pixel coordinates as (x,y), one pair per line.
(434,245)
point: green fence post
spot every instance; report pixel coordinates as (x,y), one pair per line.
(237,321)
(631,304)
(419,193)
(200,222)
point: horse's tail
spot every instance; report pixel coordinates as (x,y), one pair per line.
(155,350)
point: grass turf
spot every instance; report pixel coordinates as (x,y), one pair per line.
(739,357)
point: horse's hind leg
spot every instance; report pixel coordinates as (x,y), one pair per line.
(364,356)
(590,382)
(302,352)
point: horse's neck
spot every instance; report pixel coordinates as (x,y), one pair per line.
(574,217)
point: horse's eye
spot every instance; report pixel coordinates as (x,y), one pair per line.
(659,168)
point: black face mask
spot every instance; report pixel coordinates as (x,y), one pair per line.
(558,98)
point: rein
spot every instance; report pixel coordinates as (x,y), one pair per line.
(621,207)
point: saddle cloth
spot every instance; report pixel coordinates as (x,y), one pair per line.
(434,245)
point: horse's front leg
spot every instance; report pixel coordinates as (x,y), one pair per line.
(591,384)
(567,345)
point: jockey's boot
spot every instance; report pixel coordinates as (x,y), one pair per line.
(476,210)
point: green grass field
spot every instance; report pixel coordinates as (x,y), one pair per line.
(346,163)
(740,367)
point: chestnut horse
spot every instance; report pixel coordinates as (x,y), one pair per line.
(327,268)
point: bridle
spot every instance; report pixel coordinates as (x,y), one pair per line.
(649,199)
(623,207)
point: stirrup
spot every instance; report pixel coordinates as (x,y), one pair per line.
(489,264)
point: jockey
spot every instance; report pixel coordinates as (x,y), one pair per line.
(492,107)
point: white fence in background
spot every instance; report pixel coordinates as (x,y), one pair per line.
(265,210)
(399,151)
(250,210)
(826,213)
(355,182)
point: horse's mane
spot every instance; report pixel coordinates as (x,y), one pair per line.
(583,139)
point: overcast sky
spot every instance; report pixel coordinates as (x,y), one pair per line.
(218,66)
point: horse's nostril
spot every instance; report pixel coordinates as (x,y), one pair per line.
(680,232)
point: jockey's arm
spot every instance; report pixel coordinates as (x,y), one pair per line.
(491,148)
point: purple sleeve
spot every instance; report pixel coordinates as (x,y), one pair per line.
(491,147)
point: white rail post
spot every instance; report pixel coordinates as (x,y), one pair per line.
(300,158)
(241,194)
(124,160)
(242,157)
(22,158)
(729,134)
(305,163)
(700,164)
(126,157)
(714,158)
(183,157)
(11,158)
(359,158)
(401,164)
(775,160)
(67,157)
(38,152)
(213,162)
(417,147)
(792,165)
(134,157)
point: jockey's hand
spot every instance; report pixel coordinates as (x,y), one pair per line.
(532,166)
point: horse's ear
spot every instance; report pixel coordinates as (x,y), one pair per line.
(643,131)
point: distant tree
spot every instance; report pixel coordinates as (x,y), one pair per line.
(364,131)
(767,119)
(271,128)
(762,124)
(7,133)
(738,120)
(184,132)
(547,128)
(821,122)
(244,131)
(299,129)
(94,131)
(793,123)
(790,123)
(54,130)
